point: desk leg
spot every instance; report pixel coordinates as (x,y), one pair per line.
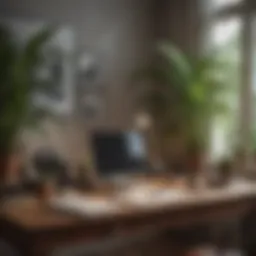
(227,235)
(29,252)
(33,250)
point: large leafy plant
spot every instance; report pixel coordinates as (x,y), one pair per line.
(183,93)
(18,65)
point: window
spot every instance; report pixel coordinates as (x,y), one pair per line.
(226,40)
(224,37)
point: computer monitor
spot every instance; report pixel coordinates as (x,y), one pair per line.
(119,153)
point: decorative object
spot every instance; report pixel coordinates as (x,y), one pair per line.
(18,65)
(225,171)
(89,90)
(88,67)
(182,94)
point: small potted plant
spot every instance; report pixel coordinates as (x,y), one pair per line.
(19,63)
(183,93)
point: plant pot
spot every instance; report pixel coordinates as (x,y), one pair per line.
(45,190)
(10,165)
(14,167)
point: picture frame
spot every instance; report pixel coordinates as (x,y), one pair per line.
(59,69)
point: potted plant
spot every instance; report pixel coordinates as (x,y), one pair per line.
(17,84)
(200,87)
(183,94)
(158,97)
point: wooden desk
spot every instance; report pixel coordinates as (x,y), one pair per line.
(35,229)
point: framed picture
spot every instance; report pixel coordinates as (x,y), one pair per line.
(58,72)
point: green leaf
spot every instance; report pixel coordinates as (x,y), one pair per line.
(178,62)
(32,53)
(184,92)
(16,81)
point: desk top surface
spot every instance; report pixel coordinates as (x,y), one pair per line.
(31,213)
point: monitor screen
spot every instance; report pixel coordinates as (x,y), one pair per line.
(118,152)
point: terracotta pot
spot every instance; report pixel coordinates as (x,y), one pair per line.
(45,190)
(14,167)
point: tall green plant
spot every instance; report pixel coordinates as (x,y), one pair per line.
(18,66)
(183,93)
